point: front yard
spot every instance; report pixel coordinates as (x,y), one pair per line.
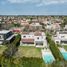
(28,51)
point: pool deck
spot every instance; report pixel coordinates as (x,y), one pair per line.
(47,51)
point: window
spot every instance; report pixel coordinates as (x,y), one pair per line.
(24,36)
(37,37)
(62,36)
(57,42)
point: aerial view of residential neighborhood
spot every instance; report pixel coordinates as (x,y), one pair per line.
(33,41)
(33,33)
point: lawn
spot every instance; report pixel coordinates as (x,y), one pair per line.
(65,46)
(28,51)
(2,48)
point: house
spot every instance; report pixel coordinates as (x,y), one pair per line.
(37,39)
(40,39)
(27,38)
(16,30)
(24,23)
(65,28)
(60,37)
(56,26)
(6,36)
(35,26)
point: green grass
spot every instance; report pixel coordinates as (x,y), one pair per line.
(65,46)
(2,48)
(28,51)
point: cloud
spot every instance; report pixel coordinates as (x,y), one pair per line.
(39,2)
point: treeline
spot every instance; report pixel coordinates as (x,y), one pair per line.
(54,49)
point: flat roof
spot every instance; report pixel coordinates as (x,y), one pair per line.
(4,31)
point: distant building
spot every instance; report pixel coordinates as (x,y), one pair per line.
(35,26)
(65,28)
(24,23)
(6,36)
(16,30)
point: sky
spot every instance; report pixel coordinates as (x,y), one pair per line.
(33,7)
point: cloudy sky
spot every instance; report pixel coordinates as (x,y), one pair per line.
(33,7)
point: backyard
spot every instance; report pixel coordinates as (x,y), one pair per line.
(28,51)
(65,46)
(2,48)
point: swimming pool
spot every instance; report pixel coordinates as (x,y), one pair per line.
(64,55)
(48,59)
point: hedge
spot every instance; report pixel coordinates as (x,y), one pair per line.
(54,48)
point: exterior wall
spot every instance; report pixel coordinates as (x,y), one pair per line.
(62,36)
(38,38)
(27,36)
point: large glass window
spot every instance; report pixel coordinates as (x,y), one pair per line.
(39,44)
(8,34)
(64,42)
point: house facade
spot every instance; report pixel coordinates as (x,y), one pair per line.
(60,37)
(37,39)
(6,36)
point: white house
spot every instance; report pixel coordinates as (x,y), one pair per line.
(65,27)
(48,25)
(40,39)
(60,37)
(6,36)
(37,39)
(27,39)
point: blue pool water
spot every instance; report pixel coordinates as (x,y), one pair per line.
(64,55)
(48,59)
